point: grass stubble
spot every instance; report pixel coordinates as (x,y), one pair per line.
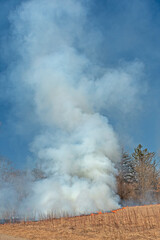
(129,223)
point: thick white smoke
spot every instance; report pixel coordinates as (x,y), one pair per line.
(77,148)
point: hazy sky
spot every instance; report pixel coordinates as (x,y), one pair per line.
(117,33)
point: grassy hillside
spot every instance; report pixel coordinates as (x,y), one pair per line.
(142,222)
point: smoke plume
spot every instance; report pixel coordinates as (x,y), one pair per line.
(69,95)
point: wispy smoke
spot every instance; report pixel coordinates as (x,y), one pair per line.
(76,147)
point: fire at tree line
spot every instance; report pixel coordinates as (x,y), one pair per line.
(138,177)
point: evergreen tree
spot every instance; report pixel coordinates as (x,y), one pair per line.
(126,177)
(146,174)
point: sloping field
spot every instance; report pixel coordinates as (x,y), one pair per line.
(127,223)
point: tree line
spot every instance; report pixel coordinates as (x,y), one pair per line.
(138,177)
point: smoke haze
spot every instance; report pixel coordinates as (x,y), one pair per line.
(68,96)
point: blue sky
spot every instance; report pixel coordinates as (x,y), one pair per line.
(118,32)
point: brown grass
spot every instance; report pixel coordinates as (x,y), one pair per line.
(127,223)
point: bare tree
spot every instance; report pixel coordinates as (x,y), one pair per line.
(5,170)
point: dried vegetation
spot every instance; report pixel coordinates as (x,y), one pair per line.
(141,222)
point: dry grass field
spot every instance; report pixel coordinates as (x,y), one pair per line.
(135,223)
